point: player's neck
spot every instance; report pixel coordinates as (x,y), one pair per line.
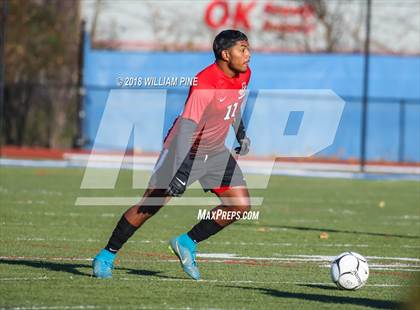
(226,69)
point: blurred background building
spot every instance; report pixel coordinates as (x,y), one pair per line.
(61,59)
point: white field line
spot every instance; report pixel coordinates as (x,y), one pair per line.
(262,282)
(323,170)
(275,244)
(231,256)
(227,257)
(149,161)
(182,201)
(330,258)
(298,257)
(116,278)
(395,258)
(396,267)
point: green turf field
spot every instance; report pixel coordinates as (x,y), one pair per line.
(47,244)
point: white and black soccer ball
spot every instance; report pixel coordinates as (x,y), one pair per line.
(349,271)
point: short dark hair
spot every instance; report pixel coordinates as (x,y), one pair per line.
(225,40)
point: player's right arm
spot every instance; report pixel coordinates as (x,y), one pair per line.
(183,160)
(197,102)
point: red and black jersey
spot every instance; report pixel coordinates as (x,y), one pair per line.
(213,104)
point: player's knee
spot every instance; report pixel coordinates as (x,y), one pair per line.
(244,208)
(243,204)
(153,200)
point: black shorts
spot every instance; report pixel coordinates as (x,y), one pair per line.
(215,172)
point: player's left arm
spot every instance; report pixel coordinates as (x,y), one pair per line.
(241,137)
(238,126)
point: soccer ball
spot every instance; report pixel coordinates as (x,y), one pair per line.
(349,271)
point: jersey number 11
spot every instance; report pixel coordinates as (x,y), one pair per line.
(231,112)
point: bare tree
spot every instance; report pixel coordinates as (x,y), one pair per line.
(41,67)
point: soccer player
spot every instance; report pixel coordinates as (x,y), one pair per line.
(194,150)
